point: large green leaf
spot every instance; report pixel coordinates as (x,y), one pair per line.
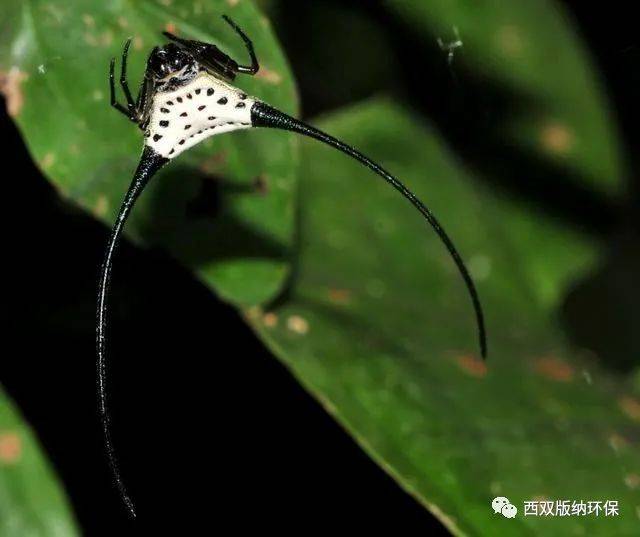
(31,499)
(530,49)
(55,68)
(377,325)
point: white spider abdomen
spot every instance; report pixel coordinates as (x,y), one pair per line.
(204,107)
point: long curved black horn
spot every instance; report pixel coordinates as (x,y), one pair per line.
(263,115)
(150,163)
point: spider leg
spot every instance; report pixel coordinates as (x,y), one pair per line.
(137,111)
(184,42)
(112,87)
(255,65)
(143,102)
(216,61)
(123,79)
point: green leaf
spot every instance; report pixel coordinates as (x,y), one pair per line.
(32,501)
(55,69)
(378,326)
(529,48)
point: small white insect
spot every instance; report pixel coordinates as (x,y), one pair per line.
(451,46)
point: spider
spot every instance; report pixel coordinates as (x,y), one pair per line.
(186,96)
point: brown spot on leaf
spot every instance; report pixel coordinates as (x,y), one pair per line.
(11,88)
(10,447)
(298,324)
(632,481)
(472,365)
(272,77)
(261,184)
(340,296)
(554,369)
(123,23)
(270,320)
(630,406)
(214,163)
(557,138)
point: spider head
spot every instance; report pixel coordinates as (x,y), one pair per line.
(171,66)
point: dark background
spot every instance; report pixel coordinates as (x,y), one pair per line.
(210,428)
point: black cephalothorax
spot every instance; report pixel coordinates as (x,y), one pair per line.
(170,66)
(185,97)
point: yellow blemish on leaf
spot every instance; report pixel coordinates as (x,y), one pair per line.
(106,38)
(472,366)
(557,138)
(510,42)
(271,77)
(48,160)
(10,447)
(123,23)
(11,88)
(630,406)
(165,3)
(55,13)
(90,39)
(233,3)
(101,40)
(480,267)
(88,20)
(97,95)
(554,369)
(101,207)
(298,324)
(617,442)
(138,43)
(254,313)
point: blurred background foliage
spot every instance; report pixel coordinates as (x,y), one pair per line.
(503,116)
